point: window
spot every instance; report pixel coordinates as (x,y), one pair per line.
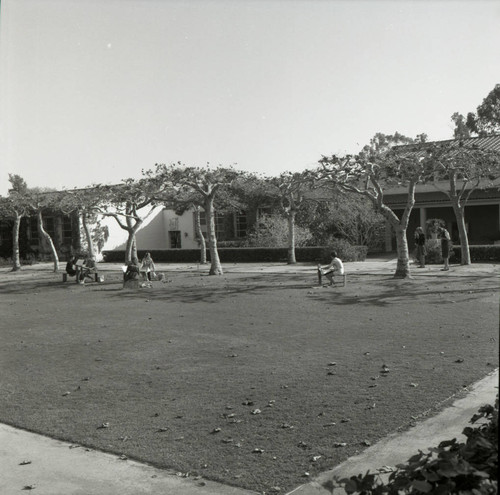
(67,229)
(175,239)
(241,224)
(33,229)
(50,226)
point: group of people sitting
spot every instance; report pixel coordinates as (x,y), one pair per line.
(81,269)
(136,271)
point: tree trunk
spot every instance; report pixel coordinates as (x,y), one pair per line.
(200,236)
(134,247)
(129,248)
(215,267)
(462,232)
(403,264)
(48,239)
(88,236)
(16,257)
(291,238)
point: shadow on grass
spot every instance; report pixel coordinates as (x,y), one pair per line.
(362,288)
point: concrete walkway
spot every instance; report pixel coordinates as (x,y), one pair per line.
(51,467)
(399,447)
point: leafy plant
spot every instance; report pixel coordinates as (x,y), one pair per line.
(452,467)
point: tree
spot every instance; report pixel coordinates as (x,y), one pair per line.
(462,130)
(486,120)
(464,167)
(210,184)
(39,200)
(291,189)
(86,203)
(16,206)
(377,167)
(125,202)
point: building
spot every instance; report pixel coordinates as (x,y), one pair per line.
(482,210)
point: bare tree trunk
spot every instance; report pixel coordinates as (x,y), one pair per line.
(88,235)
(134,248)
(403,264)
(16,257)
(200,236)
(462,231)
(291,238)
(129,247)
(215,266)
(48,239)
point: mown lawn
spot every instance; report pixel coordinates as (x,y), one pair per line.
(250,379)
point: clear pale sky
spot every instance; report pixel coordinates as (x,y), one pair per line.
(94,91)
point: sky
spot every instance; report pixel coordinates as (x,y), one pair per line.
(95,91)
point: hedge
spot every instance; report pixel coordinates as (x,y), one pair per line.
(316,254)
(478,254)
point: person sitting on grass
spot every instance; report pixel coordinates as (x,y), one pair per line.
(148,267)
(133,271)
(336,267)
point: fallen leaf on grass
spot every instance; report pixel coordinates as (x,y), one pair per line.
(415,385)
(366,443)
(163,429)
(332,364)
(460,360)
(286,425)
(227,440)
(123,457)
(103,425)
(256,411)
(247,402)
(331,373)
(328,424)
(215,430)
(315,458)
(340,444)
(29,487)
(66,393)
(258,451)
(24,463)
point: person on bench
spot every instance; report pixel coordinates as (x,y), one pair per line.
(71,266)
(87,269)
(336,267)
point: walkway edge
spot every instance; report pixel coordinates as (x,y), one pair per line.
(397,448)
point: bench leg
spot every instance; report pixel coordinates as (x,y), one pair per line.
(65,277)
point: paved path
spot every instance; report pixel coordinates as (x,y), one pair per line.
(398,447)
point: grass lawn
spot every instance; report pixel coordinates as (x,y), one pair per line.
(252,379)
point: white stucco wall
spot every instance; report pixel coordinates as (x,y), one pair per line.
(154,233)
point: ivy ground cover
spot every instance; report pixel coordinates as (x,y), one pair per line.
(259,380)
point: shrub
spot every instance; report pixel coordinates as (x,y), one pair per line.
(312,254)
(345,251)
(272,231)
(452,467)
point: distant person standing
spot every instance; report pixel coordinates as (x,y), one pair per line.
(420,245)
(444,235)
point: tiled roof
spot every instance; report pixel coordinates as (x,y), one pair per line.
(483,143)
